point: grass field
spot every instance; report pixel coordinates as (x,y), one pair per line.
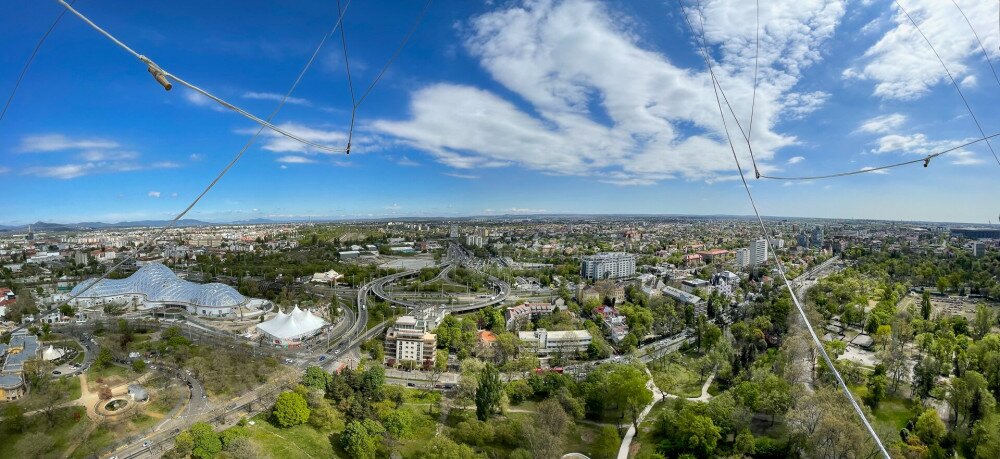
(675,374)
(112,375)
(892,414)
(302,441)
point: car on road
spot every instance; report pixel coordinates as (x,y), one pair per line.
(322,358)
(145,444)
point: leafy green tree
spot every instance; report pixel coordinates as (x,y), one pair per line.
(184,444)
(231,434)
(878,386)
(398,424)
(323,416)
(315,378)
(14,420)
(970,398)
(626,388)
(290,409)
(606,445)
(442,447)
(925,305)
(744,443)
(361,438)
(489,392)
(104,358)
(688,432)
(983,322)
(138,365)
(986,437)
(929,427)
(205,441)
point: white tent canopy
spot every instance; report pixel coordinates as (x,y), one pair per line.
(52,353)
(292,326)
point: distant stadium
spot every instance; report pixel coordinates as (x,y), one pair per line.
(155,285)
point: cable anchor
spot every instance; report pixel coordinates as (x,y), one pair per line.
(158,74)
(927,161)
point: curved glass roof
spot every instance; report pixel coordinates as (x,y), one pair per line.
(158,283)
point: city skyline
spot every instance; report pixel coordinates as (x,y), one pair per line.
(613,114)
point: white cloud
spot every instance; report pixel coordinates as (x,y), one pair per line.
(173,195)
(798,105)
(883,124)
(154,194)
(605,106)
(58,142)
(968,82)
(66,171)
(278,143)
(461,176)
(964,158)
(292,159)
(795,160)
(98,155)
(74,170)
(276,98)
(195,157)
(91,155)
(198,100)
(405,161)
(914,143)
(903,66)
(871,168)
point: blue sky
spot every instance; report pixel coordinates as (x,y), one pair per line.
(498,107)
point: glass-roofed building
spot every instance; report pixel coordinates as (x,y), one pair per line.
(155,285)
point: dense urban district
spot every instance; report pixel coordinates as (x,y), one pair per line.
(517,337)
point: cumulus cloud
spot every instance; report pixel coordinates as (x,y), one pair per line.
(604,105)
(275,97)
(293,159)
(154,194)
(795,160)
(461,176)
(872,168)
(45,143)
(964,158)
(914,143)
(278,143)
(85,156)
(198,100)
(902,65)
(883,124)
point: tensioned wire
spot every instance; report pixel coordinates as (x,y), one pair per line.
(201,91)
(221,174)
(766,235)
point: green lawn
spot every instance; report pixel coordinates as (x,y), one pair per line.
(112,375)
(301,441)
(676,374)
(893,413)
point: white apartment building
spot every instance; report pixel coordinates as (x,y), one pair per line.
(607,265)
(758,252)
(544,342)
(742,258)
(408,341)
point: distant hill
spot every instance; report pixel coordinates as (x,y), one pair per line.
(57,227)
